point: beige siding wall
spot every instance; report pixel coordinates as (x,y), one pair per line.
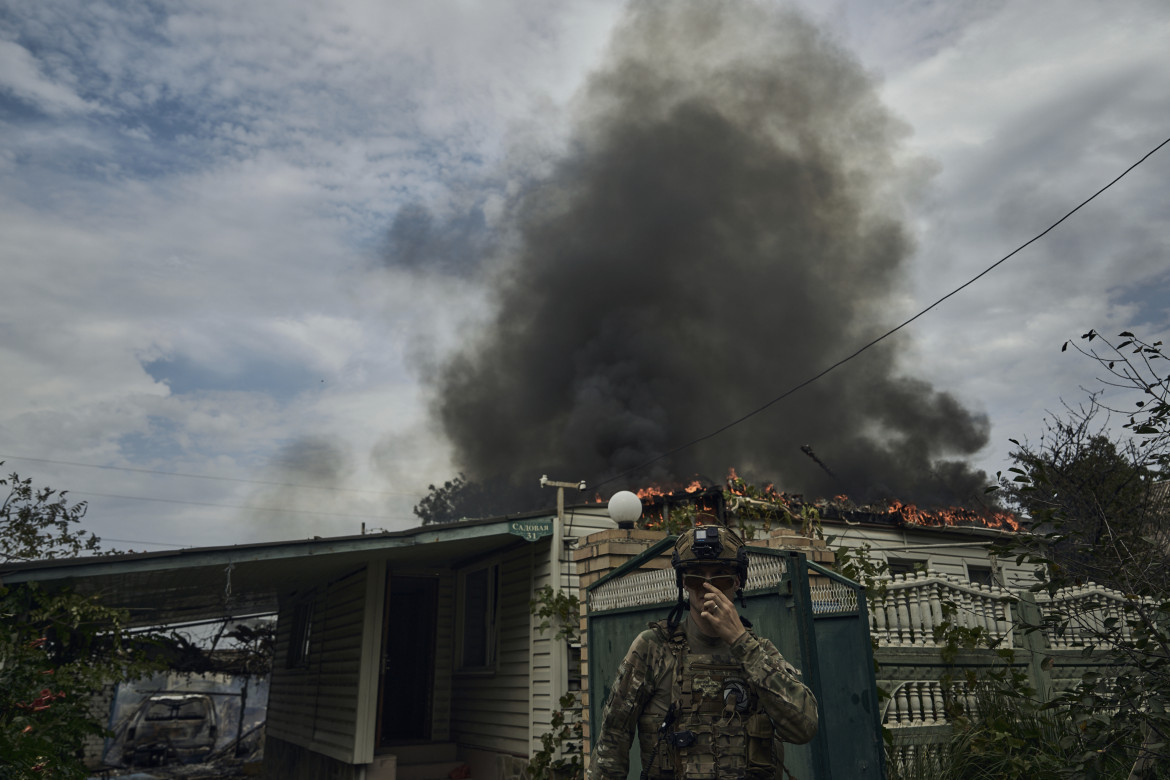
(942,551)
(316,706)
(544,659)
(490,710)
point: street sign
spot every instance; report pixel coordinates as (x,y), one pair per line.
(531,530)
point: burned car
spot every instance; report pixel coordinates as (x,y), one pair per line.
(171,728)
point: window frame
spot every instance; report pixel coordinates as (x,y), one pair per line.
(300,640)
(905,565)
(989,568)
(490,627)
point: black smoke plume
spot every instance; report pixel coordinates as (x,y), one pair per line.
(724,226)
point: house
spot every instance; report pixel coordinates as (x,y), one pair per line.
(958,551)
(414,647)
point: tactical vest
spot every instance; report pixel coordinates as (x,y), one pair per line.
(716,728)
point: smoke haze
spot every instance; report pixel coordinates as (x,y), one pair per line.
(723,227)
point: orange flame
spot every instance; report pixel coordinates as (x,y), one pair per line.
(954,516)
(655,491)
(657,498)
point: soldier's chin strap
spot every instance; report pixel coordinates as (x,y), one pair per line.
(675,616)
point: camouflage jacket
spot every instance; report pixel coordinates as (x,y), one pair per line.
(642,694)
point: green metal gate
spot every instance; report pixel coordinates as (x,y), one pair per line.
(821,629)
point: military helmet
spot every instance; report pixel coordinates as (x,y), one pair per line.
(710,544)
(707,544)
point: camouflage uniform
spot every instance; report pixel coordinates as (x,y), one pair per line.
(728,742)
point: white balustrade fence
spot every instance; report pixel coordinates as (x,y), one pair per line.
(917,760)
(913,607)
(914,703)
(915,604)
(1085,614)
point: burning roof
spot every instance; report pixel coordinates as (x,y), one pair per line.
(735,494)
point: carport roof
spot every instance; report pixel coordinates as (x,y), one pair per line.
(204,583)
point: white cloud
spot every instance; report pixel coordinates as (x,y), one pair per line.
(22,75)
(226,213)
(1031,109)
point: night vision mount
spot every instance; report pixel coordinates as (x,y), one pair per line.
(707,545)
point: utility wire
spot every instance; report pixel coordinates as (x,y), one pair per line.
(882,337)
(235,506)
(203,476)
(140,541)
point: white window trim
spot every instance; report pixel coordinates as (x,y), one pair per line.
(989,564)
(300,646)
(492,638)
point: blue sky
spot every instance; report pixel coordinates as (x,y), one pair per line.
(196,199)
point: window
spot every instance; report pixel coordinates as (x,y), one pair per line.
(905,565)
(301,634)
(479,604)
(980,575)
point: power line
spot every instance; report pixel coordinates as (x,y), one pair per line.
(204,476)
(234,506)
(885,335)
(140,541)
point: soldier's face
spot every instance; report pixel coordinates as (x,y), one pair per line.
(722,577)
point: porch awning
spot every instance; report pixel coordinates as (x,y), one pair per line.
(208,583)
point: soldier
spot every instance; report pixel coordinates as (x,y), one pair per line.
(710,699)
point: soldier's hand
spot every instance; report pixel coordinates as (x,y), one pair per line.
(718,616)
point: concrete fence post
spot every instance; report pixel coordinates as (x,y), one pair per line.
(1026,613)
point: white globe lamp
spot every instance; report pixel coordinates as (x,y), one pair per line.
(625,508)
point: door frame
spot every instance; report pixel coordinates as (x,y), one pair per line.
(431,587)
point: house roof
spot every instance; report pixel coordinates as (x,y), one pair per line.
(205,583)
(974,532)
